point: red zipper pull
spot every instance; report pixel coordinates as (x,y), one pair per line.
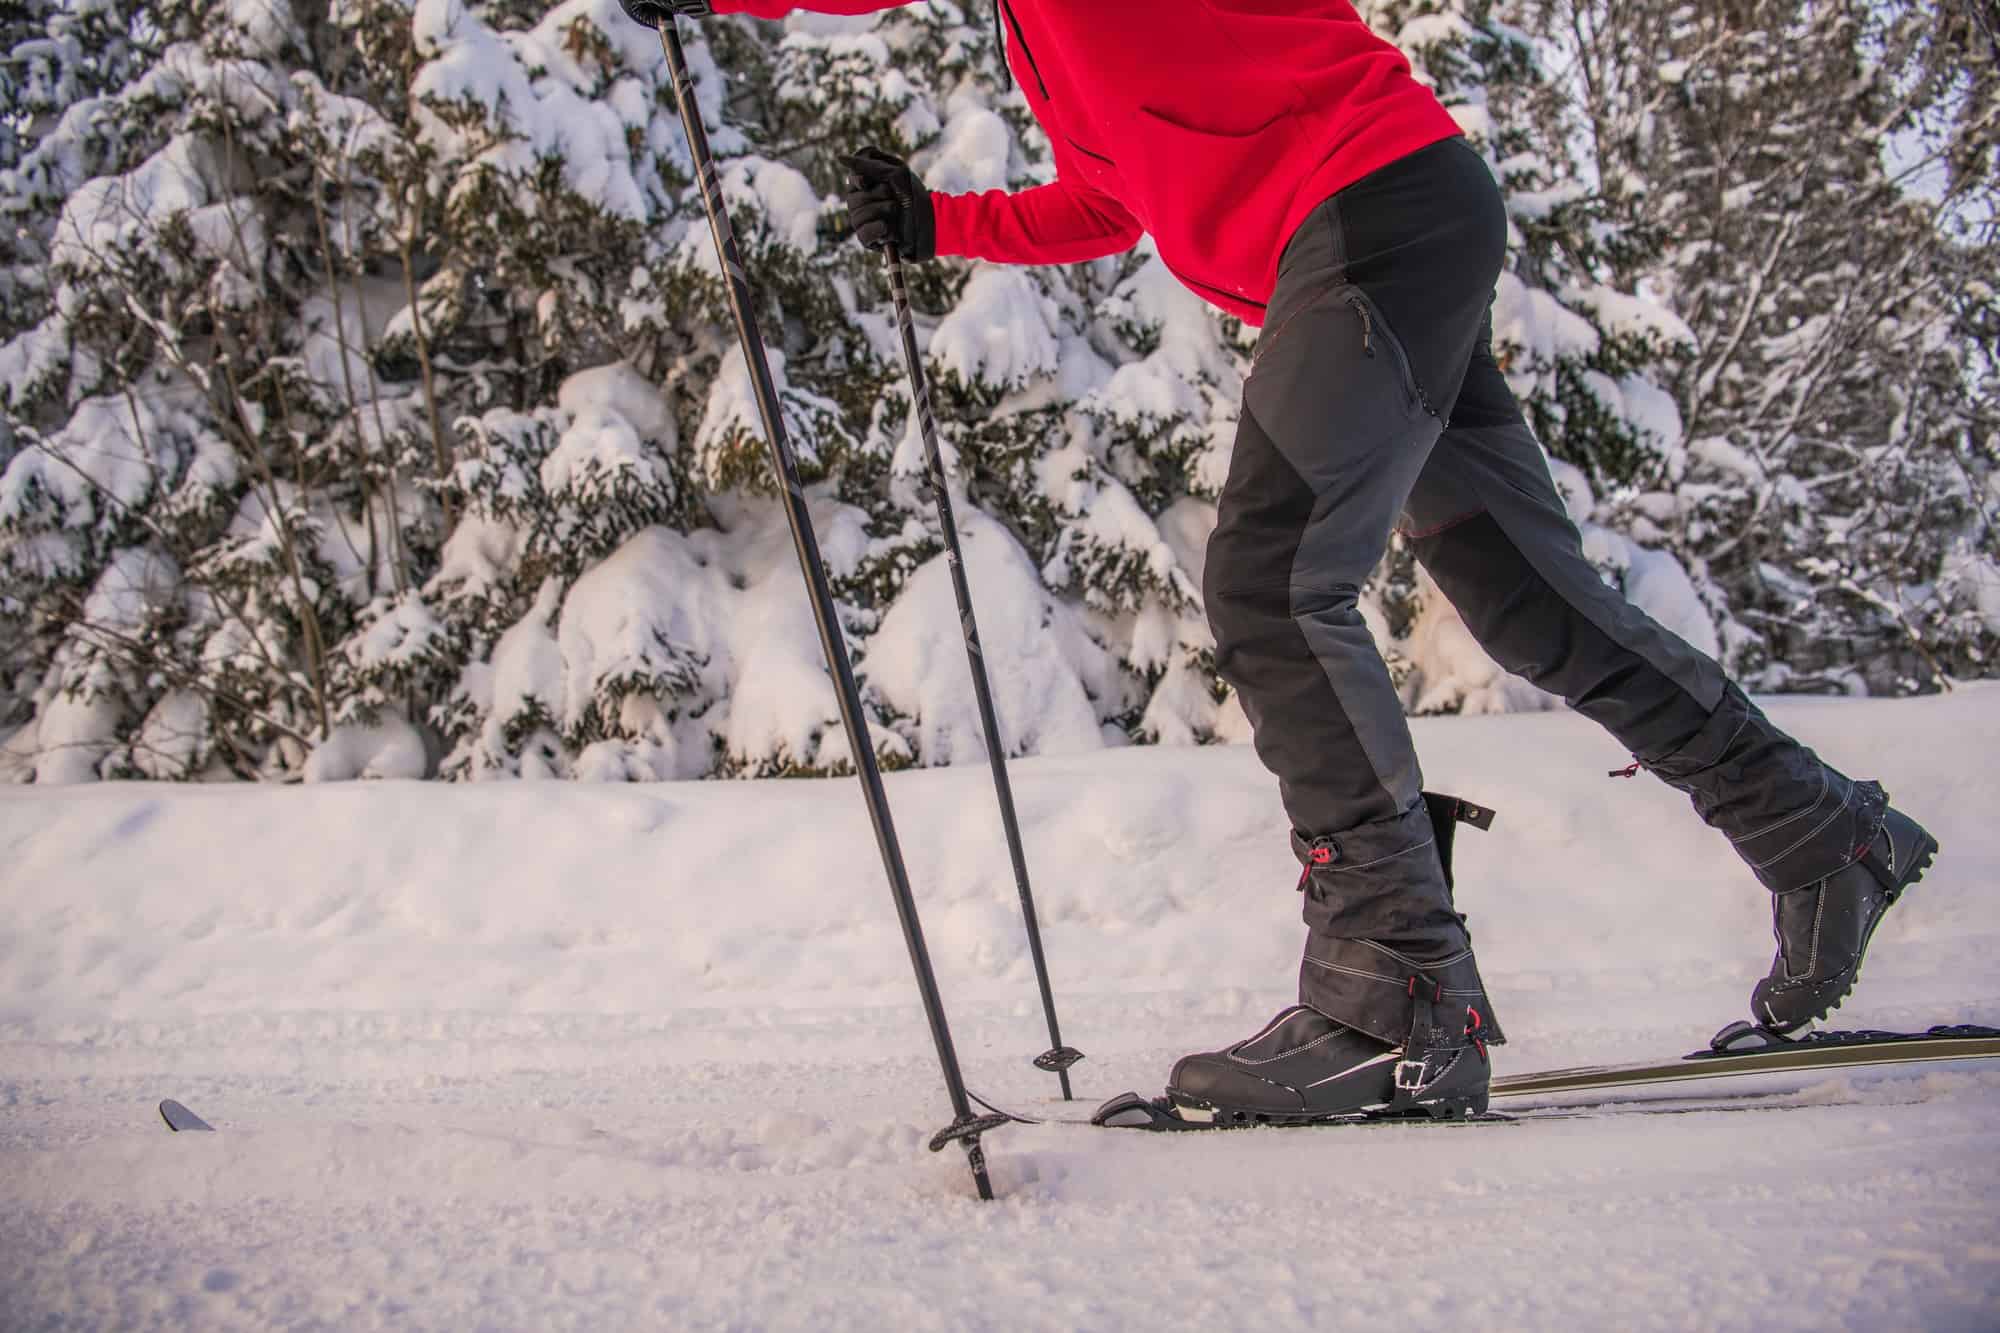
(1321,855)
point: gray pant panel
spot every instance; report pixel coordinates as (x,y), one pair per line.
(1334,434)
(1333,359)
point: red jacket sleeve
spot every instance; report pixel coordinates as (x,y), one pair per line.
(1063,222)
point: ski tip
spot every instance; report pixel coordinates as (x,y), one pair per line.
(181,1120)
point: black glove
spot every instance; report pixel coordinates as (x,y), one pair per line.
(653,13)
(888,204)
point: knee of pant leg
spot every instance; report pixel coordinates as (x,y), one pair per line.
(1330,621)
(1246,575)
(1215,590)
(1241,615)
(1336,604)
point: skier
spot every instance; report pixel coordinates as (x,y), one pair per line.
(1293,172)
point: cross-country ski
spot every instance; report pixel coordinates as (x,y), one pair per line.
(1745,1054)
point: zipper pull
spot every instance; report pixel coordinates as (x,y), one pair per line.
(1367,324)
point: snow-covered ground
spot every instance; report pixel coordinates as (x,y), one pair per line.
(559,1056)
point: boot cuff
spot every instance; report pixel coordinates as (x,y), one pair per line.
(1829,835)
(1372,987)
(1792,818)
(1366,845)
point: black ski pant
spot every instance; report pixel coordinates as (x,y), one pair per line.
(1373,402)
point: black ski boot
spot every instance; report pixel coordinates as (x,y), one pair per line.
(1305,1067)
(1829,848)
(1417,1018)
(1823,928)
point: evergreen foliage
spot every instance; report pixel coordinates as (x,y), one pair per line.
(1821,182)
(372,409)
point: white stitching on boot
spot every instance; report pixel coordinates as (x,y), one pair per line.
(1281,1055)
(1273,1025)
(1384,1058)
(1397,982)
(1812,954)
(1412,963)
(1807,837)
(1338,868)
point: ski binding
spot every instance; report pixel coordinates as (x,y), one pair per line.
(1129,1110)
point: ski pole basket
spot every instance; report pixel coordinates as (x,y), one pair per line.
(1057,1060)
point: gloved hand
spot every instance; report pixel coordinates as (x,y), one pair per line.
(888,204)
(653,13)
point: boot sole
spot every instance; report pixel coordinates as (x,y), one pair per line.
(1208,1116)
(1919,864)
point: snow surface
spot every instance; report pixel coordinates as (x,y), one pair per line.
(560,1056)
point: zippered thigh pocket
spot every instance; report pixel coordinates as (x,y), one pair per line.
(1333,387)
(1378,339)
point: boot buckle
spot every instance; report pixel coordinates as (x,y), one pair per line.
(1411,1075)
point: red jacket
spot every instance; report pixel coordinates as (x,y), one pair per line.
(1216,125)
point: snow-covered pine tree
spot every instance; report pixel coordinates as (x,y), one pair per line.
(542,209)
(1823,178)
(59,60)
(164,525)
(1067,563)
(377,410)
(221,520)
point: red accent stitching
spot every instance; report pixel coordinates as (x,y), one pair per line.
(1270,341)
(1451,522)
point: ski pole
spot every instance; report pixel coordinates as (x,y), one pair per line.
(1058,1058)
(965,1127)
